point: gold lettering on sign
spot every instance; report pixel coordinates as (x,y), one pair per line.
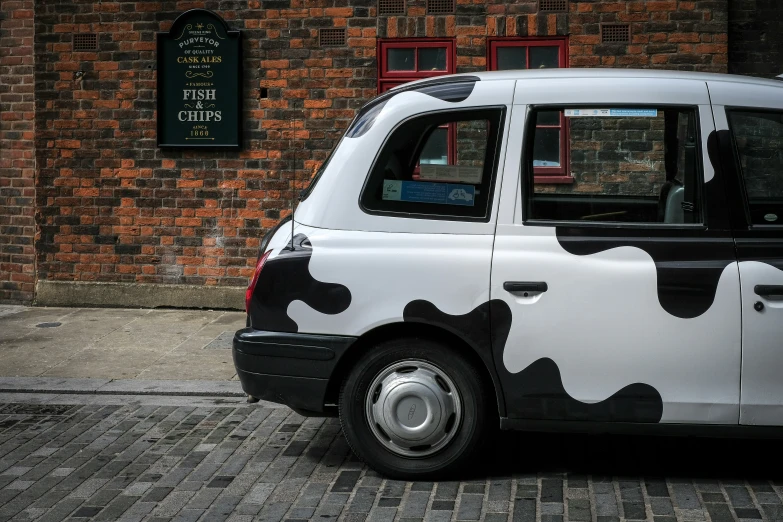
(199,44)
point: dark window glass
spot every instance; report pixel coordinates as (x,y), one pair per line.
(548,118)
(436,150)
(512,58)
(758,136)
(432,59)
(629,164)
(417,174)
(403,59)
(544,57)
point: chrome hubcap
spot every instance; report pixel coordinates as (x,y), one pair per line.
(413,408)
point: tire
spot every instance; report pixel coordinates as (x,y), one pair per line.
(414,408)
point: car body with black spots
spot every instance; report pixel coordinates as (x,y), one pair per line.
(541,250)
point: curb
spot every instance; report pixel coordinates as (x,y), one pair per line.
(120,387)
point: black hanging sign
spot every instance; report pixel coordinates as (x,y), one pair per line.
(200,83)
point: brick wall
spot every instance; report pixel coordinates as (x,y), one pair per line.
(116,208)
(113,207)
(756,37)
(17,152)
(666,34)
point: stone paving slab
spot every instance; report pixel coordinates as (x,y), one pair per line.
(145,457)
(117,344)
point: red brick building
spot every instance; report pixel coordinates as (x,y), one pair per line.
(88,199)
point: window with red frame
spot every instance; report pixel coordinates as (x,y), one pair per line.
(405,60)
(550,151)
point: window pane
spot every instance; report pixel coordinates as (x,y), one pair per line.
(436,150)
(548,118)
(629,164)
(432,59)
(408,178)
(400,60)
(546,151)
(512,58)
(759,139)
(544,57)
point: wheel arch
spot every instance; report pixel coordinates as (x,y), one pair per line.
(484,362)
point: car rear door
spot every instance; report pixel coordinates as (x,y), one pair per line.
(749,121)
(615,296)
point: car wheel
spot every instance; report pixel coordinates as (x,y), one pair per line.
(415,408)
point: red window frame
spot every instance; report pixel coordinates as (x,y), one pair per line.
(385,76)
(541,174)
(388,79)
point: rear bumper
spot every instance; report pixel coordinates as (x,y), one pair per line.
(288,368)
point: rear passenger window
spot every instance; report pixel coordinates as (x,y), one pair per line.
(758,136)
(439,165)
(628,164)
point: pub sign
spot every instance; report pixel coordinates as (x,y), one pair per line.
(199,83)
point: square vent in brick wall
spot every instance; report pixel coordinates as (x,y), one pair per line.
(331,37)
(440,6)
(615,33)
(391,7)
(553,6)
(85,42)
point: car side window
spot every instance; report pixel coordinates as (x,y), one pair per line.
(628,165)
(426,170)
(758,138)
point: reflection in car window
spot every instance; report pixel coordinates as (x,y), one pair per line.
(629,165)
(758,137)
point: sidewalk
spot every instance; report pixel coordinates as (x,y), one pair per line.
(116,350)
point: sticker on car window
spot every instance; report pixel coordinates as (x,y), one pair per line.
(426,192)
(612,113)
(451,173)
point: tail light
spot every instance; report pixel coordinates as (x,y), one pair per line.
(252,286)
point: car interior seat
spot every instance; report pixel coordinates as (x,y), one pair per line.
(673,196)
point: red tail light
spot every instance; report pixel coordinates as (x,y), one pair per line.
(251,288)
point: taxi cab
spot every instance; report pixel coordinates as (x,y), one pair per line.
(559,249)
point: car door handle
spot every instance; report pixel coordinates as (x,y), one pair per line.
(769,290)
(525,286)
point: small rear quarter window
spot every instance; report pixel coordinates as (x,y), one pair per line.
(439,165)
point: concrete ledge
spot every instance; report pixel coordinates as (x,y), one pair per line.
(120,387)
(136,295)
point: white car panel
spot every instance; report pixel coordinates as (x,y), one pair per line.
(604,341)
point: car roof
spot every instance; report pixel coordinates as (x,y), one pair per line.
(577,73)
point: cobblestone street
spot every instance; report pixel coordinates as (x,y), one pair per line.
(188,458)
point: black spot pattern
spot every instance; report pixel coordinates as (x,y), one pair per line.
(450,92)
(286,278)
(688,269)
(454,89)
(688,261)
(537,392)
